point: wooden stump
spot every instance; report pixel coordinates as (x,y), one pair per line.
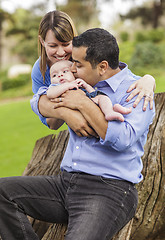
(149,221)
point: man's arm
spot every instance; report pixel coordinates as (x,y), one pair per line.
(77,100)
(56,117)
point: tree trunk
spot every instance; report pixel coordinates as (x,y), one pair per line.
(149,221)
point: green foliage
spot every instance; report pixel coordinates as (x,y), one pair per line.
(126,51)
(25,29)
(21,80)
(146,54)
(156,35)
(20,128)
(150,14)
(124,36)
(84,13)
(140,36)
(153,35)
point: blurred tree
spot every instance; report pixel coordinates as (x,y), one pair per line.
(24,27)
(149,14)
(4,16)
(83,12)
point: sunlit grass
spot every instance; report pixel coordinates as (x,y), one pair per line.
(19,129)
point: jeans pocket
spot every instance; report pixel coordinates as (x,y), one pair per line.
(119,184)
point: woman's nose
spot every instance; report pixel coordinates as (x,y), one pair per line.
(60,51)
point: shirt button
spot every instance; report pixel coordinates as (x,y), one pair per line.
(95,88)
(74,164)
(77,147)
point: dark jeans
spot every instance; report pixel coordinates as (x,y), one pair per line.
(95,208)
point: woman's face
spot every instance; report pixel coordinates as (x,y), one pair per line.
(55,49)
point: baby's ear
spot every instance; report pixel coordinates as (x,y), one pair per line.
(102,67)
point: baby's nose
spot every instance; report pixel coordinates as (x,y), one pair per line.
(60,74)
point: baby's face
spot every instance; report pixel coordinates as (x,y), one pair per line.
(60,72)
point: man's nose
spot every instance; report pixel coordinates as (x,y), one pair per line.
(73,68)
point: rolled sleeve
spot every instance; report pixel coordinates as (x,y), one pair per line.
(34,103)
(122,135)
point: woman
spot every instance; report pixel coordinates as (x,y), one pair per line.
(56,32)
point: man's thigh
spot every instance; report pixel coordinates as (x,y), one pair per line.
(40,197)
(98,207)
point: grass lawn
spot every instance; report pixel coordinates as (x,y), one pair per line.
(19,129)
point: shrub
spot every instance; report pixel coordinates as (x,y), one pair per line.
(21,80)
(124,36)
(140,36)
(146,54)
(154,35)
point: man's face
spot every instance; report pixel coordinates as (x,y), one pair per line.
(82,68)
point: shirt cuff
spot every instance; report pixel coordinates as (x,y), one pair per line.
(34,104)
(111,135)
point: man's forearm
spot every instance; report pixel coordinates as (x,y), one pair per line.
(94,116)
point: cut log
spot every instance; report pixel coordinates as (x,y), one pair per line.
(149,221)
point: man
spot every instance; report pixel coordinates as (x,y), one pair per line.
(95,193)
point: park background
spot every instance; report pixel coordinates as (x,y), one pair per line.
(139,27)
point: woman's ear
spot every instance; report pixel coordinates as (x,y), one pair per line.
(103,66)
(41,41)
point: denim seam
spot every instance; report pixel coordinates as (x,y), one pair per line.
(33,197)
(21,222)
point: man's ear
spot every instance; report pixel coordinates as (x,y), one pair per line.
(41,41)
(102,67)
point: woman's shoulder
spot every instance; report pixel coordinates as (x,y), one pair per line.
(36,66)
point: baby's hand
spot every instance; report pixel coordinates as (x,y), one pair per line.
(71,85)
(81,83)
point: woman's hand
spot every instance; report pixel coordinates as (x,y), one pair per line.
(144,87)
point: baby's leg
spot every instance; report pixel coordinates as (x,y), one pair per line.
(107,108)
(120,109)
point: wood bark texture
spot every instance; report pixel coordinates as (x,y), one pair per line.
(149,221)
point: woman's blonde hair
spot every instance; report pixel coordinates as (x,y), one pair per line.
(64,30)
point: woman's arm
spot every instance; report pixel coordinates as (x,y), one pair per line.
(73,118)
(144,87)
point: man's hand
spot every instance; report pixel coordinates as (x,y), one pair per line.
(74,119)
(70,99)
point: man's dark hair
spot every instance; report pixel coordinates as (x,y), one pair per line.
(101,45)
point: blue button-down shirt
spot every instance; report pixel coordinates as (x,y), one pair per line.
(118,156)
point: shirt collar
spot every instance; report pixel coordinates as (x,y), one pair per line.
(115,80)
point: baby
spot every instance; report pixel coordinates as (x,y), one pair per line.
(62,79)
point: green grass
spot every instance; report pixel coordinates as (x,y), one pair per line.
(19,129)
